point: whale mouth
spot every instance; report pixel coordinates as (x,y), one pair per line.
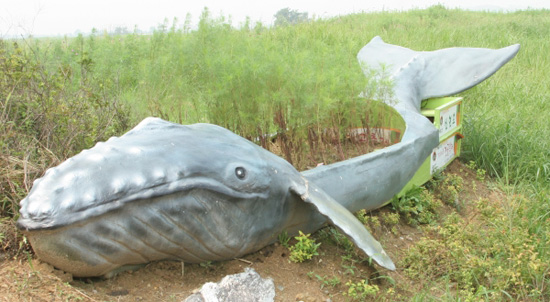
(61,217)
(187,184)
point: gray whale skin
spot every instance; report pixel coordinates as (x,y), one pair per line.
(199,192)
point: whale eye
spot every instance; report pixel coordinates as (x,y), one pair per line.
(240,172)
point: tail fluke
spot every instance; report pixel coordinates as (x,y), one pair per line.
(420,75)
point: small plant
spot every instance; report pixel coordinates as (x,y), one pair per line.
(325,281)
(207,265)
(348,264)
(486,208)
(361,290)
(449,188)
(334,236)
(392,220)
(417,206)
(480,173)
(284,239)
(304,249)
(362,216)
(472,165)
(370,222)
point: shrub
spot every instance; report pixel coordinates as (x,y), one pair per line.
(503,253)
(361,290)
(304,249)
(417,206)
(44,119)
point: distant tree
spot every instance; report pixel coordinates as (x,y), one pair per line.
(287,16)
(120,30)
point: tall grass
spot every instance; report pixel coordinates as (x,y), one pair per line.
(243,78)
(294,81)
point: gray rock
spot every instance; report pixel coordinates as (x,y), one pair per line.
(244,287)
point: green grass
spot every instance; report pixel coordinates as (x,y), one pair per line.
(256,80)
(308,75)
(295,81)
(502,254)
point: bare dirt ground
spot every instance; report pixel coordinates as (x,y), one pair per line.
(25,278)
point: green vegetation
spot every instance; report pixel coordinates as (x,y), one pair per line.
(324,280)
(284,239)
(480,173)
(44,119)
(361,290)
(294,90)
(500,255)
(333,236)
(304,249)
(418,206)
(392,220)
(300,82)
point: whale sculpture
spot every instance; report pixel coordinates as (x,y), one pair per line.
(201,193)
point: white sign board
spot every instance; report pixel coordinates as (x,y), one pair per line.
(443,154)
(448,120)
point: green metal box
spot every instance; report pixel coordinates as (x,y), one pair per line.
(446,114)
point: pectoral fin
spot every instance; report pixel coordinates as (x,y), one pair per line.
(346,221)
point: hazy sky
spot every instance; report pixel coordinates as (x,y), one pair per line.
(59,17)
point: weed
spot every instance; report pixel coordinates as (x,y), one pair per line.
(480,173)
(348,263)
(284,238)
(371,222)
(333,236)
(325,281)
(207,265)
(417,206)
(304,249)
(362,216)
(448,190)
(497,257)
(486,209)
(391,220)
(446,187)
(361,290)
(472,165)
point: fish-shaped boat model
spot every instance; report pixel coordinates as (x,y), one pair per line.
(200,193)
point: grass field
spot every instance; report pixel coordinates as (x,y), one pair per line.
(58,96)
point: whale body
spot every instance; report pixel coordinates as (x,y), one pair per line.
(200,193)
